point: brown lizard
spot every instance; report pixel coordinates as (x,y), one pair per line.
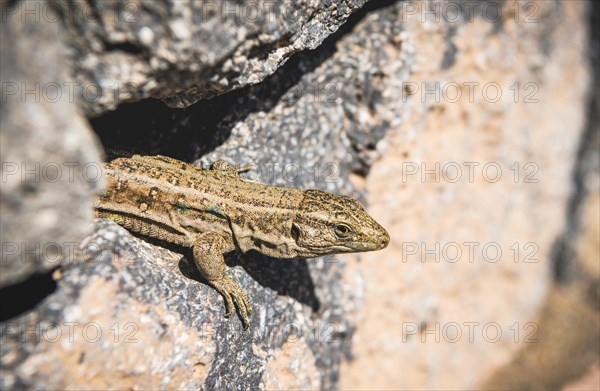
(215,211)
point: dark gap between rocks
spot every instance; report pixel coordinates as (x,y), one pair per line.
(21,298)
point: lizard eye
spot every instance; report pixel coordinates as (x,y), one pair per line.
(342,230)
(295,232)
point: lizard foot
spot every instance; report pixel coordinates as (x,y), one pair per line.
(231,291)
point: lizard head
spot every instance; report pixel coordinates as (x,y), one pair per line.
(327,223)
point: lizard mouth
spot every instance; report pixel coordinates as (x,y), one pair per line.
(379,243)
(367,246)
(352,247)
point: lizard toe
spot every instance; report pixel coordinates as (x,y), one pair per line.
(243,304)
(223,286)
(231,292)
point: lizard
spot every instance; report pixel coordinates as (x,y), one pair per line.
(215,211)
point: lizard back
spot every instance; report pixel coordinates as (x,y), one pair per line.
(171,200)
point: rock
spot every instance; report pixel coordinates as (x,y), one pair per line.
(50,169)
(563,358)
(183,52)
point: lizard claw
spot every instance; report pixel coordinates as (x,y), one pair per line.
(230,291)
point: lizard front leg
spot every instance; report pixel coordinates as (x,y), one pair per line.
(208,249)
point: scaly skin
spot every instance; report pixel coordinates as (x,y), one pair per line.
(215,211)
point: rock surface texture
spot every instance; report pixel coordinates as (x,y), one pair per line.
(46,148)
(460,124)
(186,51)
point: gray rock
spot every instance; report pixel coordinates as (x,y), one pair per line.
(182,52)
(49,155)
